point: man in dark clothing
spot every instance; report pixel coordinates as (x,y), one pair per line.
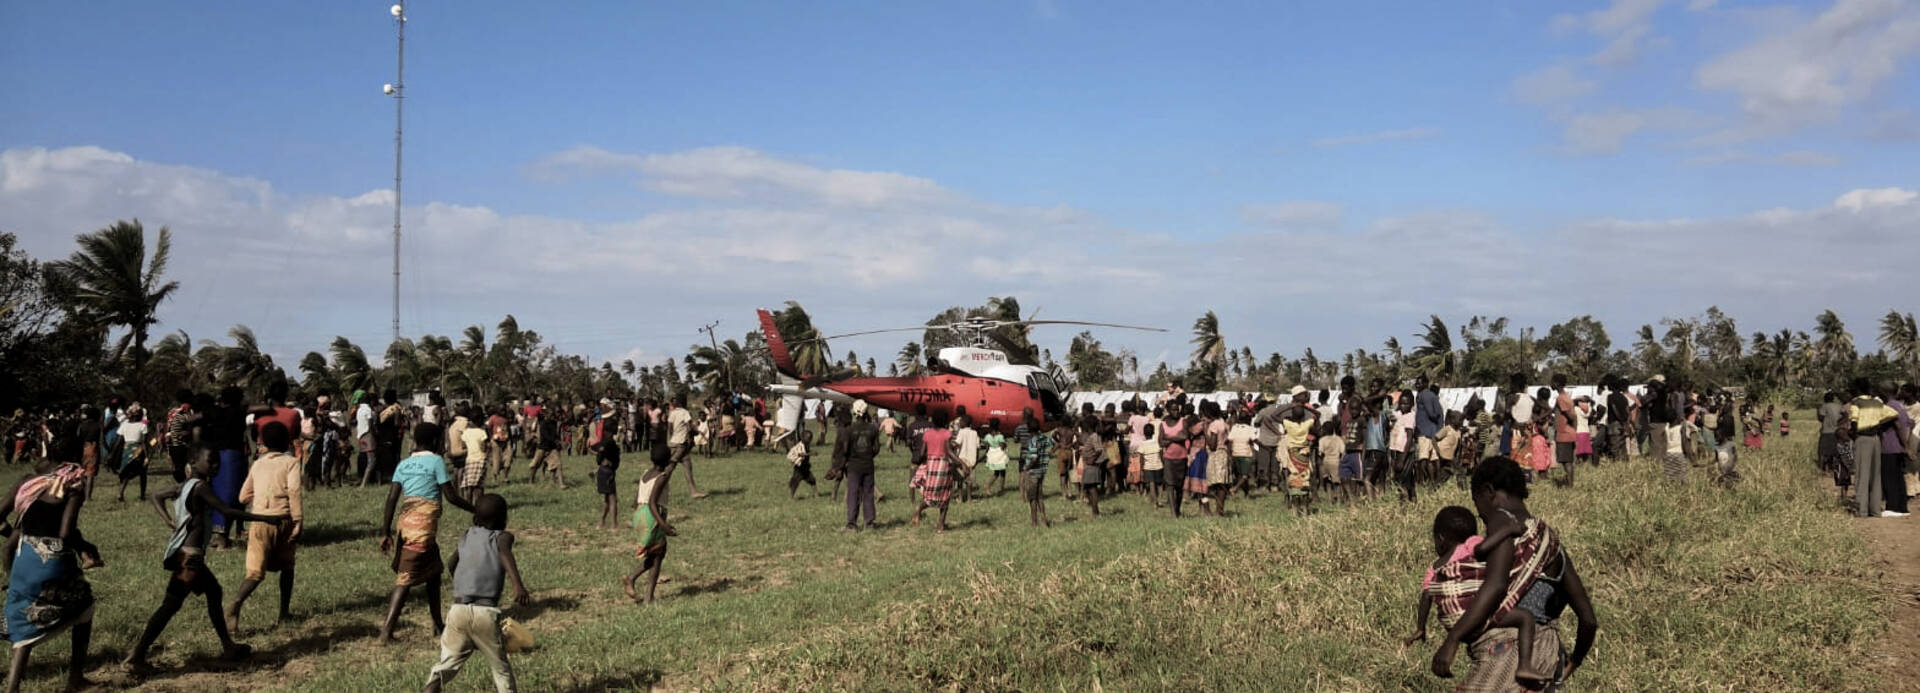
(1429,415)
(1725,435)
(917,453)
(857,445)
(1618,407)
(388,424)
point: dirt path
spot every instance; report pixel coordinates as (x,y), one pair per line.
(1898,540)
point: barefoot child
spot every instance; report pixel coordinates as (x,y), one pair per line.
(603,441)
(481,565)
(272,487)
(185,558)
(1090,455)
(801,457)
(996,444)
(650,517)
(1455,576)
(1036,448)
(420,484)
(1147,455)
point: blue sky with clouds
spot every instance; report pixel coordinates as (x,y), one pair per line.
(1324,174)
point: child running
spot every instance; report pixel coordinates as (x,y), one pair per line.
(1455,576)
(272,487)
(801,457)
(193,504)
(420,484)
(481,565)
(650,518)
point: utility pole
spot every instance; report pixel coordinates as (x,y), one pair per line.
(397,90)
(728,367)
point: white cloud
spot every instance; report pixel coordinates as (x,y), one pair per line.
(1797,159)
(1807,73)
(1296,213)
(301,269)
(1552,86)
(1603,132)
(733,173)
(1872,198)
(1701,5)
(1895,125)
(1625,26)
(1372,137)
(760,230)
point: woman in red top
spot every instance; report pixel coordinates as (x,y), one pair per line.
(935,477)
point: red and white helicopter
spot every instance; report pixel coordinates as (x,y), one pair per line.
(977,380)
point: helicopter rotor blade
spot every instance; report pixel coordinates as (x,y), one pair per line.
(921,328)
(1083,322)
(978,325)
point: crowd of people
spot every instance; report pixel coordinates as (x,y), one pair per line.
(1502,589)
(241,462)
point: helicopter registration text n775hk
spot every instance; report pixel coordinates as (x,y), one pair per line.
(979,381)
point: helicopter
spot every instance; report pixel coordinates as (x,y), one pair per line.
(978,380)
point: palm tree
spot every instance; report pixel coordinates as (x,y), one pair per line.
(244,364)
(351,367)
(809,353)
(106,281)
(319,376)
(1835,344)
(435,353)
(1646,347)
(403,366)
(1209,351)
(715,367)
(909,361)
(1129,365)
(1682,342)
(1901,338)
(171,366)
(1016,340)
(1435,356)
(511,362)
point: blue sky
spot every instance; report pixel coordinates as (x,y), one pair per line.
(1105,160)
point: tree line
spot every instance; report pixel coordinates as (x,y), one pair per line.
(78,329)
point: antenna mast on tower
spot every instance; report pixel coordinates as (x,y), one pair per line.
(397,90)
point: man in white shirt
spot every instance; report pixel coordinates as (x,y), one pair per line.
(362,432)
(680,439)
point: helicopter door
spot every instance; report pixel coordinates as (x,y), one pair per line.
(1041,387)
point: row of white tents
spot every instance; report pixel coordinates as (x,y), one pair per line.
(1453,398)
(792,407)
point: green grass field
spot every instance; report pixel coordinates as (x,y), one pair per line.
(1762,587)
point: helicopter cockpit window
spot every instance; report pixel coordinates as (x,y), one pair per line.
(1041,386)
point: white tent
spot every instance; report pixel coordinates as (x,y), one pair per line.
(1453,398)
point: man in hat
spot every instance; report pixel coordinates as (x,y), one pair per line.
(1268,430)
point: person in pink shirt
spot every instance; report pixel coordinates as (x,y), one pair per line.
(1397,440)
